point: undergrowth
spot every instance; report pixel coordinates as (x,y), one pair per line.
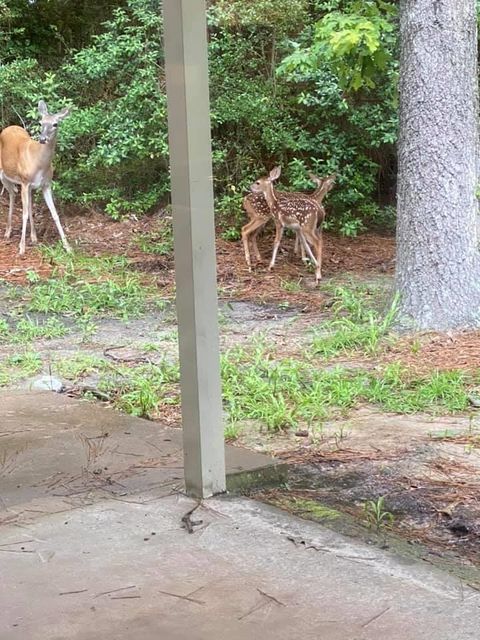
(28,329)
(88,286)
(288,392)
(19,366)
(273,393)
(355,325)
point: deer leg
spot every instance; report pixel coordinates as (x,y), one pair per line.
(315,237)
(33,233)
(47,195)
(247,230)
(306,245)
(255,235)
(295,248)
(318,271)
(26,196)
(278,238)
(302,248)
(11,193)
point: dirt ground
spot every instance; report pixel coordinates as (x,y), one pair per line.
(427,468)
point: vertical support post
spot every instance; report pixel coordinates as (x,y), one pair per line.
(186,67)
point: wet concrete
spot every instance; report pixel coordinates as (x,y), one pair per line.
(54,447)
(92,546)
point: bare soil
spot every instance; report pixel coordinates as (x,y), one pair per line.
(427,468)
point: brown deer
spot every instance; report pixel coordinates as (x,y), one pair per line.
(259,213)
(324,185)
(291,211)
(28,163)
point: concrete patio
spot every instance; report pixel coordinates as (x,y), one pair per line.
(92,547)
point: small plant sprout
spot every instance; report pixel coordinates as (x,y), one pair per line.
(376,516)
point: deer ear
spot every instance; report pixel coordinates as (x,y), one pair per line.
(42,108)
(275,173)
(63,113)
(318,181)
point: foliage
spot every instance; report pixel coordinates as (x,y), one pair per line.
(355,40)
(85,286)
(113,148)
(19,366)
(288,393)
(309,84)
(355,326)
(376,516)
(141,390)
(159,241)
(345,74)
(28,329)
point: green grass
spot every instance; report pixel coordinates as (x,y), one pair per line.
(4,330)
(19,366)
(291,286)
(137,390)
(311,509)
(279,394)
(26,330)
(88,286)
(140,390)
(356,325)
(272,393)
(79,365)
(159,241)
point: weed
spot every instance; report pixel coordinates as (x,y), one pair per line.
(32,276)
(19,366)
(339,436)
(87,327)
(169,336)
(79,365)
(231,234)
(4,329)
(355,326)
(313,509)
(28,329)
(286,393)
(140,390)
(232,432)
(317,435)
(159,241)
(415,346)
(82,285)
(149,347)
(375,515)
(291,286)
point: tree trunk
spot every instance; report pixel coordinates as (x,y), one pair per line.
(438,266)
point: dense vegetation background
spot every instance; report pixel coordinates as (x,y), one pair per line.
(310,84)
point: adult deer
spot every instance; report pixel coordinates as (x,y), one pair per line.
(292,211)
(28,163)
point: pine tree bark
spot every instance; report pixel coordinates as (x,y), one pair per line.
(438,260)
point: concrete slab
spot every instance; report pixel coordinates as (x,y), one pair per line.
(53,446)
(92,547)
(126,571)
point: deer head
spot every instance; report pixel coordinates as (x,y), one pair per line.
(263,184)
(322,181)
(49,122)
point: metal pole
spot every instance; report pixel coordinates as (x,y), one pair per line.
(186,67)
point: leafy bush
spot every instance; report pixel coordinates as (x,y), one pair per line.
(307,84)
